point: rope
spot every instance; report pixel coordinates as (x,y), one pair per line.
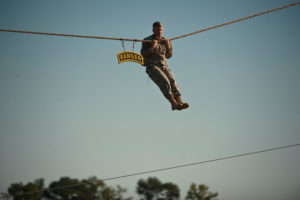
(137,40)
(162,169)
(72,35)
(237,20)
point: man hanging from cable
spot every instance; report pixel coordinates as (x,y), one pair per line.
(155,59)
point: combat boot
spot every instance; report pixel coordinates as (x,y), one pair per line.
(174,104)
(182,104)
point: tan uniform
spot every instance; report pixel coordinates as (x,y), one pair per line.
(157,67)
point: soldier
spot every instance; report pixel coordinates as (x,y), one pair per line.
(155,59)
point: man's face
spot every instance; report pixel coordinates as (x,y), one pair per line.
(158,30)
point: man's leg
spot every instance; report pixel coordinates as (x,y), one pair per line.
(171,77)
(162,81)
(174,87)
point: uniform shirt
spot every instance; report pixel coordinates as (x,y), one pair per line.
(157,56)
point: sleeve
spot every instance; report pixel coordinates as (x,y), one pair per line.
(169,52)
(146,50)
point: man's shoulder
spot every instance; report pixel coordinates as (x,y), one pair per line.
(151,37)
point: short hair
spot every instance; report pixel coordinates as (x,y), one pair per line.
(157,24)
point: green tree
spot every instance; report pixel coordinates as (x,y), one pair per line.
(89,189)
(16,190)
(200,192)
(154,189)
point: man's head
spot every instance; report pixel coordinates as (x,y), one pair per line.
(157,30)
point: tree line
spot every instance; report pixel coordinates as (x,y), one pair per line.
(95,189)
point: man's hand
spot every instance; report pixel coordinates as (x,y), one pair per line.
(154,44)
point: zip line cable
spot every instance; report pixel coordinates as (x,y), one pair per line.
(162,169)
(137,40)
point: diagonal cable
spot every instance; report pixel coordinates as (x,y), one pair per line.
(162,169)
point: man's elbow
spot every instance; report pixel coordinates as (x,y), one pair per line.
(145,54)
(169,55)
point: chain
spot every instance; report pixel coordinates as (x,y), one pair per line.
(133,45)
(123,44)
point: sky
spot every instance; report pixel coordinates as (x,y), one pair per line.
(67,108)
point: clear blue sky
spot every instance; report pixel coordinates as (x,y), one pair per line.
(67,108)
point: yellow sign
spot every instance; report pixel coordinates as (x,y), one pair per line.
(126,56)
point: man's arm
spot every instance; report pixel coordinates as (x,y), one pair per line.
(148,48)
(169,48)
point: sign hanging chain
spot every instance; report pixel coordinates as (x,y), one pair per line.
(123,44)
(133,45)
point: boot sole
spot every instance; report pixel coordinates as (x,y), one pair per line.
(184,106)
